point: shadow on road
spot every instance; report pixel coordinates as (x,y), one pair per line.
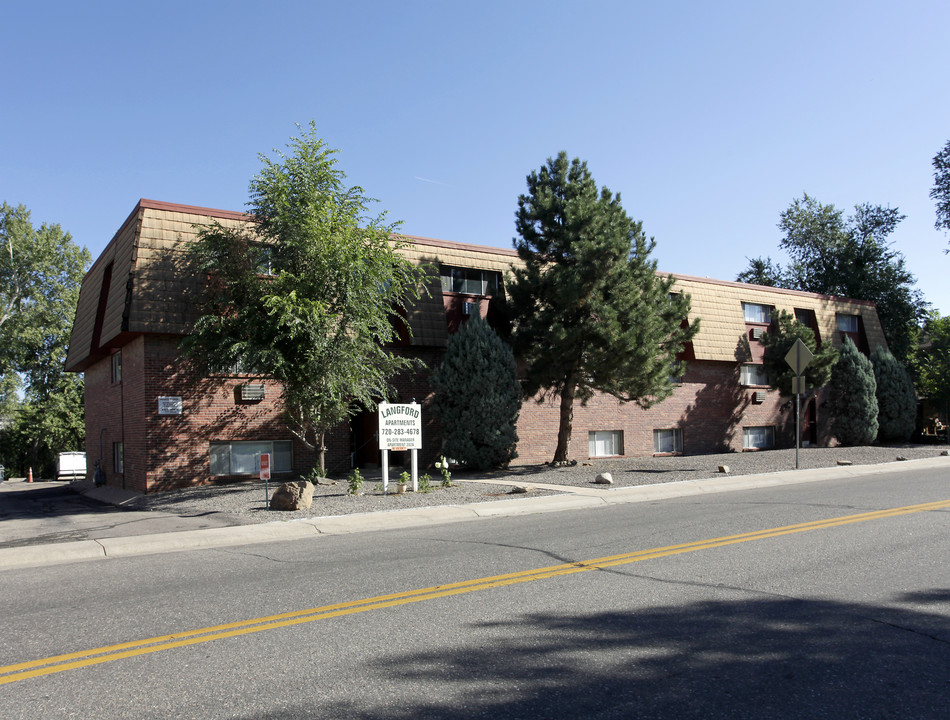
(767,658)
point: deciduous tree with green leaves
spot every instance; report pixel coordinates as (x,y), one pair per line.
(478,397)
(306,293)
(777,343)
(590,313)
(853,402)
(934,361)
(850,257)
(940,192)
(41,270)
(896,398)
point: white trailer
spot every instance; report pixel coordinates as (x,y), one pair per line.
(71,466)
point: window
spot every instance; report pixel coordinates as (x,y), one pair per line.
(244,458)
(604,443)
(668,441)
(262,257)
(847,323)
(118,457)
(242,367)
(676,373)
(753,375)
(117,366)
(755,313)
(469,281)
(758,438)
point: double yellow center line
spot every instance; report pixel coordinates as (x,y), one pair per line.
(110,653)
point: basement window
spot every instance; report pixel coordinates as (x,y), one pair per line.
(605,443)
(244,457)
(668,441)
(758,438)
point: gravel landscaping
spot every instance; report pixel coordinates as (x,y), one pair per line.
(243,503)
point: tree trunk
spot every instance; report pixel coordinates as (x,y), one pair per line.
(567,420)
(322,453)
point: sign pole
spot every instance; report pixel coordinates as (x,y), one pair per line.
(798,420)
(265,476)
(385,454)
(415,470)
(797,359)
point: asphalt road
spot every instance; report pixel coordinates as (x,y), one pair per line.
(802,601)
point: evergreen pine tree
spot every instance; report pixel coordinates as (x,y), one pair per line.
(853,402)
(777,342)
(590,312)
(478,397)
(896,398)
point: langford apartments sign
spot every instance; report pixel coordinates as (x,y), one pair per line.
(400,426)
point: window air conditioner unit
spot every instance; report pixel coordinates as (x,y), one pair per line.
(757,333)
(759,396)
(468,308)
(252,391)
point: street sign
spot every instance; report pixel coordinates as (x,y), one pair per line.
(265,466)
(799,356)
(400,426)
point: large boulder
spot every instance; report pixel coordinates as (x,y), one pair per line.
(293,496)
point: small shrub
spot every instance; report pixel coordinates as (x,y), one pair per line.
(425,484)
(404,478)
(313,477)
(355,482)
(443,467)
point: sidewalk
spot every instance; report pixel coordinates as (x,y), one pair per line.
(120,533)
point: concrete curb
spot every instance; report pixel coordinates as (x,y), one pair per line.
(583,498)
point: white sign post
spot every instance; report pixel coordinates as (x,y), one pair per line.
(400,428)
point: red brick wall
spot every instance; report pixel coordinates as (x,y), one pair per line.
(178,445)
(709,406)
(167,451)
(103,419)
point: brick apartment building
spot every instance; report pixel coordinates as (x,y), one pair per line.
(153,427)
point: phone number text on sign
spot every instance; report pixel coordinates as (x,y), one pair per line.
(400,426)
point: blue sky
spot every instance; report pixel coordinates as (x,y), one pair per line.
(708,118)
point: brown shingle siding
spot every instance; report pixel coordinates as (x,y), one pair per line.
(723,329)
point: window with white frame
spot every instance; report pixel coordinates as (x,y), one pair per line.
(604,443)
(244,457)
(753,375)
(117,366)
(756,313)
(847,323)
(668,440)
(758,438)
(469,281)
